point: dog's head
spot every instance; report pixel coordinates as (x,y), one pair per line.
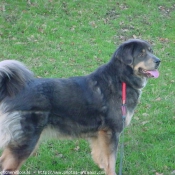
(139,55)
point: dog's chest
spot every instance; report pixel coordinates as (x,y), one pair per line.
(128,117)
(132,100)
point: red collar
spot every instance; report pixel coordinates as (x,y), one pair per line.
(123,100)
(123,93)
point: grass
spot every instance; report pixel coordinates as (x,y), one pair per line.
(72,38)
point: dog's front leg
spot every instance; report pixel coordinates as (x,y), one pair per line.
(104,148)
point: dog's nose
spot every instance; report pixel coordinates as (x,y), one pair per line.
(157,62)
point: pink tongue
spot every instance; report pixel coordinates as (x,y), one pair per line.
(154,73)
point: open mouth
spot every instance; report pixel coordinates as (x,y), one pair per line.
(149,73)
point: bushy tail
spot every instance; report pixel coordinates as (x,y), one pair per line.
(13,77)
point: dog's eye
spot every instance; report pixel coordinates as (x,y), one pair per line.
(150,50)
(142,53)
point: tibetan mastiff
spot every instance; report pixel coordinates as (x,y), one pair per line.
(78,107)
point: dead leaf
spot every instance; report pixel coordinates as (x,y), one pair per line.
(93,24)
(136,118)
(77,148)
(145,122)
(164,40)
(3,8)
(145,114)
(123,7)
(158,99)
(28,2)
(57,154)
(159,173)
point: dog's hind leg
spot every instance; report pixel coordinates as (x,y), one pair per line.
(10,162)
(22,140)
(14,156)
(104,148)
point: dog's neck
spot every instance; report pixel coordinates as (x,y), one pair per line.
(134,81)
(126,74)
(120,71)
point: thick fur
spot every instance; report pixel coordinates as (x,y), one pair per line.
(87,107)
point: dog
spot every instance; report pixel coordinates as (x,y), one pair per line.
(78,107)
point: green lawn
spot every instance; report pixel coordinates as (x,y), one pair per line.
(62,38)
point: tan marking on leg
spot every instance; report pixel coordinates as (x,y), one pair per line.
(9,162)
(103,153)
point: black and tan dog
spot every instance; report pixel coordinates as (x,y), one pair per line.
(85,107)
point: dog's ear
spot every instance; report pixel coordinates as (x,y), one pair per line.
(125,53)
